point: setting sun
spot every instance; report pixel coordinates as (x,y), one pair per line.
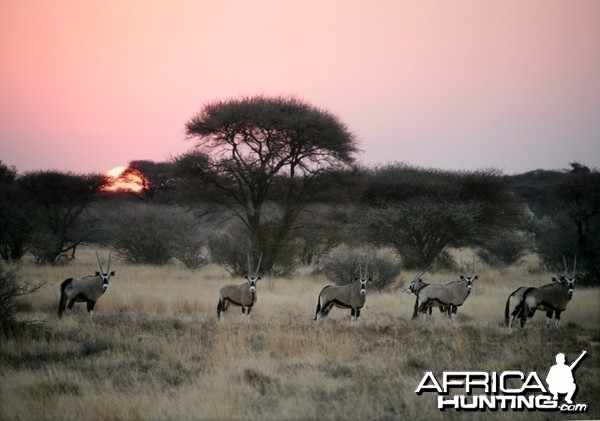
(116,172)
(124,179)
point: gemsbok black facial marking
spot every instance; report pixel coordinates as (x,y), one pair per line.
(88,289)
(352,296)
(243,295)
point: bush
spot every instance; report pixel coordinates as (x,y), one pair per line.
(505,250)
(10,307)
(155,235)
(15,230)
(341,265)
(231,251)
(189,250)
(57,205)
(231,246)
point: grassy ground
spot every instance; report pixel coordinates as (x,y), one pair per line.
(156,350)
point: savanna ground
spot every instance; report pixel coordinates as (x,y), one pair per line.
(156,351)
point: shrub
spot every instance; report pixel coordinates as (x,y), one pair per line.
(505,250)
(57,205)
(230,250)
(15,230)
(155,235)
(10,290)
(189,250)
(341,265)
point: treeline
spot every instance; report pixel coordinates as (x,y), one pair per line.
(278,178)
(415,214)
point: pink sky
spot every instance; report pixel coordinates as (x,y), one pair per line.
(511,84)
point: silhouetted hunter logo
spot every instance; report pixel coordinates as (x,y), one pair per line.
(560,377)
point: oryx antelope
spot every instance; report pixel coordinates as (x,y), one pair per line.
(243,295)
(451,295)
(552,299)
(517,297)
(88,289)
(417,284)
(350,296)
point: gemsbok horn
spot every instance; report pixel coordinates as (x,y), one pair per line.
(517,297)
(243,295)
(88,289)
(350,296)
(451,295)
(417,284)
(552,299)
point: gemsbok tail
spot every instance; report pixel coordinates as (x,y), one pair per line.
(62,304)
(219,308)
(318,308)
(416,312)
(507,307)
(524,310)
(507,310)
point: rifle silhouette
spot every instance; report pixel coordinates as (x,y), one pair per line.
(572,366)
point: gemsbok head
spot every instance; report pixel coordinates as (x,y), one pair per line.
(350,296)
(552,299)
(88,289)
(449,296)
(243,295)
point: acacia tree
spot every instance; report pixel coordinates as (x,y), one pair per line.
(249,144)
(579,192)
(56,203)
(154,178)
(422,212)
(14,225)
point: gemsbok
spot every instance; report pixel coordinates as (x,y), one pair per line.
(517,297)
(243,295)
(451,296)
(417,284)
(350,296)
(88,289)
(552,299)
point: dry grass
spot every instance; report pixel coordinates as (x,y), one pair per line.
(156,351)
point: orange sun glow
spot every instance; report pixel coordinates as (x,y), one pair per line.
(124,179)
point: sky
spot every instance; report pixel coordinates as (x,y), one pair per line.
(86,86)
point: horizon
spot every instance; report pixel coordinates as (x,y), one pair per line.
(108,172)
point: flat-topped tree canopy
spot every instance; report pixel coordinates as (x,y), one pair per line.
(272,133)
(250,141)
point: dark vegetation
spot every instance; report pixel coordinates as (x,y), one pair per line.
(11,288)
(278,176)
(419,213)
(255,150)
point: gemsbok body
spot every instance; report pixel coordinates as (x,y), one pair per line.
(449,296)
(415,287)
(351,296)
(243,295)
(517,298)
(88,289)
(553,299)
